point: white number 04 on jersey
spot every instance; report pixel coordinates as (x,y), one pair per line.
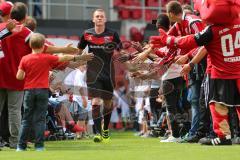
(229,44)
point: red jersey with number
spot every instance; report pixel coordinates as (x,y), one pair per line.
(36,68)
(223,45)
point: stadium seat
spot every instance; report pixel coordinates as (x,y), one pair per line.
(117,3)
(122,12)
(150,15)
(153,3)
(136,13)
(164,2)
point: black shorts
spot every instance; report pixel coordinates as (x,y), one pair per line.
(224,91)
(101,88)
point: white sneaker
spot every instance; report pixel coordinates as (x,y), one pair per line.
(171,139)
(139,134)
(146,135)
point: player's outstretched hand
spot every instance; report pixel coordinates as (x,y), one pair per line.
(85,56)
(132,67)
(137,46)
(163,40)
(182,59)
(140,57)
(143,76)
(124,57)
(185,70)
(146,75)
(70,49)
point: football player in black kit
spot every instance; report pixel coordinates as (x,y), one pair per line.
(102,42)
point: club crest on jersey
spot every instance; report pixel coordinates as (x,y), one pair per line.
(107,39)
(89,37)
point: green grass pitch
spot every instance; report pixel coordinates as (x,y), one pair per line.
(124,146)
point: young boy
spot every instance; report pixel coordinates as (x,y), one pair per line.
(34,68)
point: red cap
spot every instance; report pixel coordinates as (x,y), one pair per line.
(5,8)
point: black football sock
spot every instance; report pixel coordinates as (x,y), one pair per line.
(107,117)
(97,119)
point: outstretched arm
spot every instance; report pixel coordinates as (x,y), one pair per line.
(68,49)
(196,59)
(186,42)
(83,57)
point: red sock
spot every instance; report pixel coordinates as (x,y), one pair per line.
(76,128)
(218,120)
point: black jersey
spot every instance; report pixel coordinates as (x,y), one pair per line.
(102,46)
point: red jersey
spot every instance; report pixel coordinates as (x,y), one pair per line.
(36,68)
(190,24)
(3,33)
(223,45)
(224,51)
(14,48)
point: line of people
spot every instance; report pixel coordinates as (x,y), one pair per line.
(213,91)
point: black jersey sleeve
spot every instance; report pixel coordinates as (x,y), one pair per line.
(82,43)
(117,40)
(204,37)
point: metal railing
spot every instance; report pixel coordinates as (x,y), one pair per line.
(48,7)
